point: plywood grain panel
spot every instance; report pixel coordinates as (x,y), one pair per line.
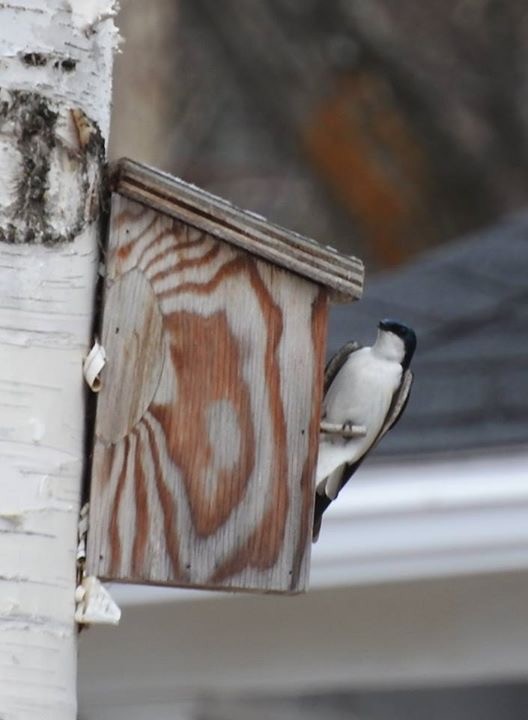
(207,422)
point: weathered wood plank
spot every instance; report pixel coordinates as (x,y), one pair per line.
(342,275)
(208,417)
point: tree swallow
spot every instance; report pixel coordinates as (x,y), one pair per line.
(365,392)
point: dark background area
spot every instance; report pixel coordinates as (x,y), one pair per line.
(381,128)
(480,702)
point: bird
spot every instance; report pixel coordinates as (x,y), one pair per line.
(366,390)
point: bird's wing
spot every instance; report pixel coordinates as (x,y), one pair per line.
(333,366)
(321,503)
(398,405)
(337,361)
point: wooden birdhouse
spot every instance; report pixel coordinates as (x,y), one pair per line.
(214,327)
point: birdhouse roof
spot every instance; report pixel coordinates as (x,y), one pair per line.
(341,274)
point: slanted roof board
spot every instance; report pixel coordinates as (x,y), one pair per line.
(341,274)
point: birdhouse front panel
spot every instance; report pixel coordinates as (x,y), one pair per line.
(208,417)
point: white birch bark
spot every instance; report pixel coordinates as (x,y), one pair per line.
(55,83)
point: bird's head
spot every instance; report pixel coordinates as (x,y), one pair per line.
(400,337)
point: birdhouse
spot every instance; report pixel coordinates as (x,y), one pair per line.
(207,424)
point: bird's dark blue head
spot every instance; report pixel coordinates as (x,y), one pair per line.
(404,332)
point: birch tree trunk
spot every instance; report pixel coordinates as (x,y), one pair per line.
(55,83)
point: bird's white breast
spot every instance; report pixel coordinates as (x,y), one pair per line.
(361,393)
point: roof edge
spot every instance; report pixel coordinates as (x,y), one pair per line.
(341,274)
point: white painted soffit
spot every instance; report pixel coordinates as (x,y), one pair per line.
(408,520)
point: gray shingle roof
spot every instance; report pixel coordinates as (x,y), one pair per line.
(468,302)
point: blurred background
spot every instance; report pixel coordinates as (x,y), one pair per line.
(396,132)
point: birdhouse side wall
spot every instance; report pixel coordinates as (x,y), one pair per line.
(207,421)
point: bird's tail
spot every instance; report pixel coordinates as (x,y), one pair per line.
(321,503)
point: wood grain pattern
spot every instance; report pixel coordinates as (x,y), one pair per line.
(207,422)
(342,275)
